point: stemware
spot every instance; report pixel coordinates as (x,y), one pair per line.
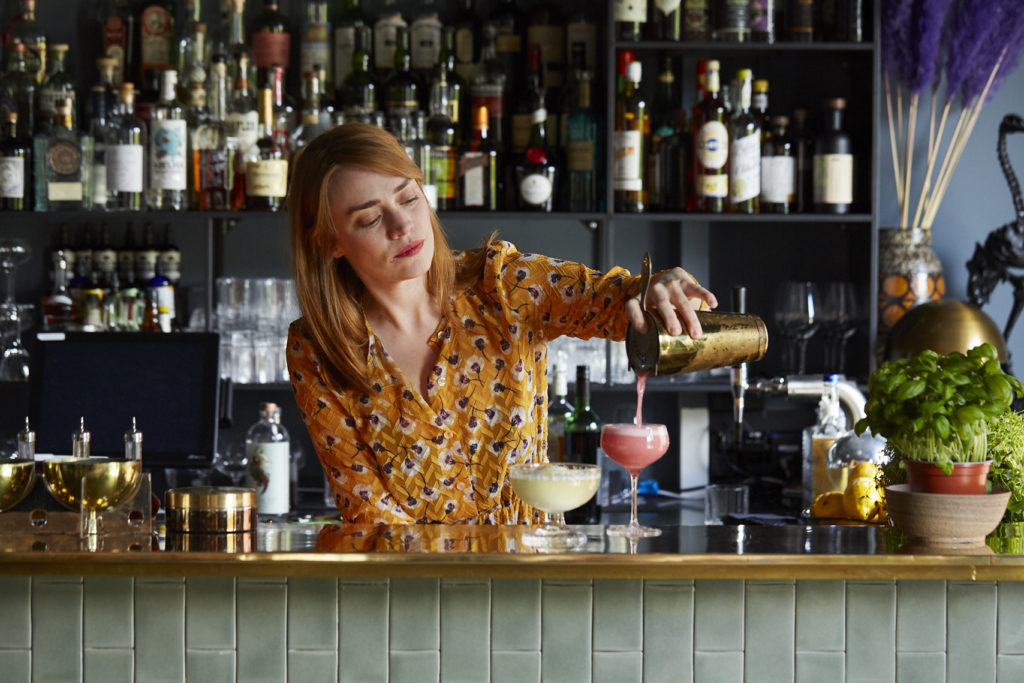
(796,314)
(839,315)
(634,447)
(14,361)
(555,488)
(232,462)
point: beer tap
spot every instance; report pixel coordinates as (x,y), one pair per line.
(739,372)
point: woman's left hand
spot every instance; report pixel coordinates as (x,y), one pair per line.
(674,296)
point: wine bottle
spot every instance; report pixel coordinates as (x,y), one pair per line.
(629,156)
(315,45)
(559,410)
(545,28)
(507,19)
(359,91)
(126,144)
(15,168)
(18,91)
(271,37)
(349,17)
(385,36)
(582,440)
(833,162)
(711,146)
(665,20)
(732,21)
(479,167)
(468,35)
(744,151)
(630,17)
(800,20)
(156,37)
(778,169)
(402,88)
(426,38)
(764,20)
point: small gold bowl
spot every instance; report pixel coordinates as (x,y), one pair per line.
(17,477)
(93,483)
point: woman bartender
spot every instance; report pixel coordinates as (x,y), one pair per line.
(421,372)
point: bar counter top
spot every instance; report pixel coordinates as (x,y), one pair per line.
(464,551)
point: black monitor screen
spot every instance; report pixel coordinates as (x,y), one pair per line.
(168,382)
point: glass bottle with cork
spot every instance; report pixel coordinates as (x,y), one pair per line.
(559,410)
(266,170)
(778,169)
(63,165)
(268,450)
(744,151)
(833,162)
(818,439)
(15,167)
(582,440)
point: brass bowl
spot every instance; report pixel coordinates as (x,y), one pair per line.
(945,523)
(17,477)
(93,483)
(943,326)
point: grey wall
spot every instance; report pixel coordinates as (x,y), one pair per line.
(978,199)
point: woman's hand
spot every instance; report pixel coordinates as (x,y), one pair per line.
(675,296)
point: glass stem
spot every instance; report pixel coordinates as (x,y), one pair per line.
(9,295)
(634,483)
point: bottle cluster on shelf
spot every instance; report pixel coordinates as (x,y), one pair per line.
(98,287)
(731,155)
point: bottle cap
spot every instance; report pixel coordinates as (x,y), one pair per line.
(634,72)
(780,120)
(836,103)
(743,74)
(761,85)
(80,441)
(712,64)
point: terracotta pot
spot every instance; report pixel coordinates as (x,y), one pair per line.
(967,478)
(942,523)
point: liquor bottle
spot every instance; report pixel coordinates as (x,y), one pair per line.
(833,162)
(800,20)
(168,266)
(582,440)
(285,113)
(212,151)
(156,37)
(630,17)
(443,137)
(15,168)
(63,165)
(669,144)
(629,156)
(242,118)
(711,146)
(146,99)
(268,451)
(126,258)
(818,439)
(732,21)
(479,169)
(458,89)
(425,39)
(764,20)
(58,309)
(234,50)
(126,143)
(803,155)
(150,312)
(468,35)
(350,15)
(759,105)
(507,20)
(106,66)
(559,410)
(271,37)
(581,162)
(696,20)
(27,31)
(117,35)
(315,46)
(104,258)
(385,37)
(665,20)
(545,28)
(266,171)
(57,84)
(18,90)
(489,88)
(146,257)
(533,97)
(536,172)
(192,51)
(849,21)
(359,91)
(778,169)
(168,170)
(580,29)
(744,151)
(311,125)
(402,88)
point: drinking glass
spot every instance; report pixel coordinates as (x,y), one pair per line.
(840,312)
(232,462)
(796,314)
(634,447)
(14,361)
(555,488)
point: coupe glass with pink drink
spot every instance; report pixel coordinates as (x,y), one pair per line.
(634,447)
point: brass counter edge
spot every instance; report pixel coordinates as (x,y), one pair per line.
(500,566)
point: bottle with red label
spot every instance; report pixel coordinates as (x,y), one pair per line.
(271,37)
(156,37)
(117,35)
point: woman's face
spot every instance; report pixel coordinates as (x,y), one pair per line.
(382,226)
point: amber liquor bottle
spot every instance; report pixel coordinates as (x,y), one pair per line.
(711,146)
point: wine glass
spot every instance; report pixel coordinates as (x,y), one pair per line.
(796,314)
(634,447)
(232,463)
(555,488)
(840,312)
(14,361)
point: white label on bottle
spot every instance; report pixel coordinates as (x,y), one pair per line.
(385,39)
(631,10)
(99,174)
(430,192)
(535,189)
(833,178)
(316,48)
(124,168)
(425,42)
(245,127)
(712,185)
(344,48)
(745,171)
(713,145)
(667,6)
(64,192)
(626,162)
(266,178)
(167,155)
(778,179)
(12,177)
(474,164)
(269,473)
(583,32)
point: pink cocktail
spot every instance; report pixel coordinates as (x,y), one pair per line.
(634,447)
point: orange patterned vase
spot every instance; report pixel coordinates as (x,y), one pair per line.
(909,273)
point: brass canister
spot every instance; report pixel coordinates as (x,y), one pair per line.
(242,542)
(210,509)
(727,339)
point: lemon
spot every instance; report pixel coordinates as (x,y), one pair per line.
(865,469)
(861,498)
(828,505)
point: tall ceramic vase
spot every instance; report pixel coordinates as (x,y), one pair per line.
(909,274)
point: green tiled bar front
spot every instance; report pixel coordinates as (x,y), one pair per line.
(334,630)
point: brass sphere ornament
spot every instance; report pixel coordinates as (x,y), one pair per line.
(943,326)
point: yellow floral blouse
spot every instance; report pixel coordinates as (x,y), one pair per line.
(396,457)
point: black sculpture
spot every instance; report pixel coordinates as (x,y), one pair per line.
(1004,246)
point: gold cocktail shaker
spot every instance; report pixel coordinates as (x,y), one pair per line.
(728,339)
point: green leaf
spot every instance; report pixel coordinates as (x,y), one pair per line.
(941,426)
(910,389)
(969,413)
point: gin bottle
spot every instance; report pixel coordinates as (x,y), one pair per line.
(126,155)
(268,450)
(212,147)
(63,165)
(167,160)
(744,152)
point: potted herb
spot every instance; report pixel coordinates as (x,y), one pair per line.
(934,411)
